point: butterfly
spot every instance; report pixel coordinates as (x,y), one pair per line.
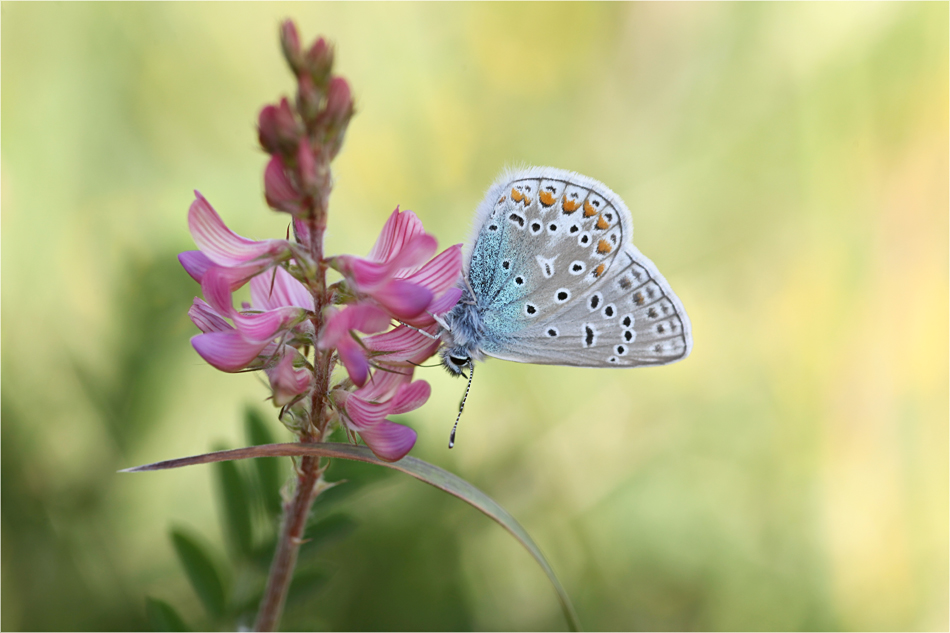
(552,278)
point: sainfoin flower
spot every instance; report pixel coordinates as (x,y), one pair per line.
(399,280)
(396,276)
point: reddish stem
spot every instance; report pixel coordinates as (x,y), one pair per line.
(309,472)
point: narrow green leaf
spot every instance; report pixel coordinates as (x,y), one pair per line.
(423,471)
(236,504)
(201,571)
(268,468)
(162,616)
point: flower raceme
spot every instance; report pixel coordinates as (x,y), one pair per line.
(399,279)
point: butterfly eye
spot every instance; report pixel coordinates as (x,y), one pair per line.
(455,360)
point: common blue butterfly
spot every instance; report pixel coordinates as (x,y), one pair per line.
(551,277)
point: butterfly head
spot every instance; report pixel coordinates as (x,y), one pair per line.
(455,359)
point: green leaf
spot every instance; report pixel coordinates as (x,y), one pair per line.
(268,468)
(201,571)
(236,503)
(162,616)
(423,471)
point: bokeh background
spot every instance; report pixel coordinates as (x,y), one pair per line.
(787,169)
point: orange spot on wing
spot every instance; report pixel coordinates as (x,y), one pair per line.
(516,195)
(501,199)
(604,247)
(599,270)
(546,198)
(589,210)
(570,206)
(602,223)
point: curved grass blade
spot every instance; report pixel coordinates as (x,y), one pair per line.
(423,471)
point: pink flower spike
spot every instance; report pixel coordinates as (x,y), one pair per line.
(227,351)
(206,318)
(279,192)
(389,441)
(287,382)
(276,288)
(223,246)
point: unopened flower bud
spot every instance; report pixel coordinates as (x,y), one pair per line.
(309,96)
(336,116)
(306,167)
(290,44)
(279,191)
(277,129)
(320,61)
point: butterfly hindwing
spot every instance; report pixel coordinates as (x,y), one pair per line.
(554,270)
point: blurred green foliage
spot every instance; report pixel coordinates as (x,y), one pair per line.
(787,170)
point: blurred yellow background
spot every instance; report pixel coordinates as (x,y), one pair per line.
(787,169)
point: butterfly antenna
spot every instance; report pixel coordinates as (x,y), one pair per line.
(471,374)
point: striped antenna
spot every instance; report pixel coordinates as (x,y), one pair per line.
(471,374)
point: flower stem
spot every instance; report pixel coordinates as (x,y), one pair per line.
(310,471)
(285,558)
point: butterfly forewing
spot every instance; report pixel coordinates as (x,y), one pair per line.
(559,282)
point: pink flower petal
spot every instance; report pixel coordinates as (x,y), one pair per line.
(439,306)
(195,263)
(389,441)
(279,192)
(399,229)
(446,302)
(410,397)
(354,360)
(287,382)
(400,344)
(441,272)
(402,299)
(383,385)
(276,288)
(227,351)
(216,288)
(363,414)
(223,246)
(206,318)
(368,275)
(302,232)
(414,253)
(265,326)
(364,317)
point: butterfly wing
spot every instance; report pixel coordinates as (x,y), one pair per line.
(561,284)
